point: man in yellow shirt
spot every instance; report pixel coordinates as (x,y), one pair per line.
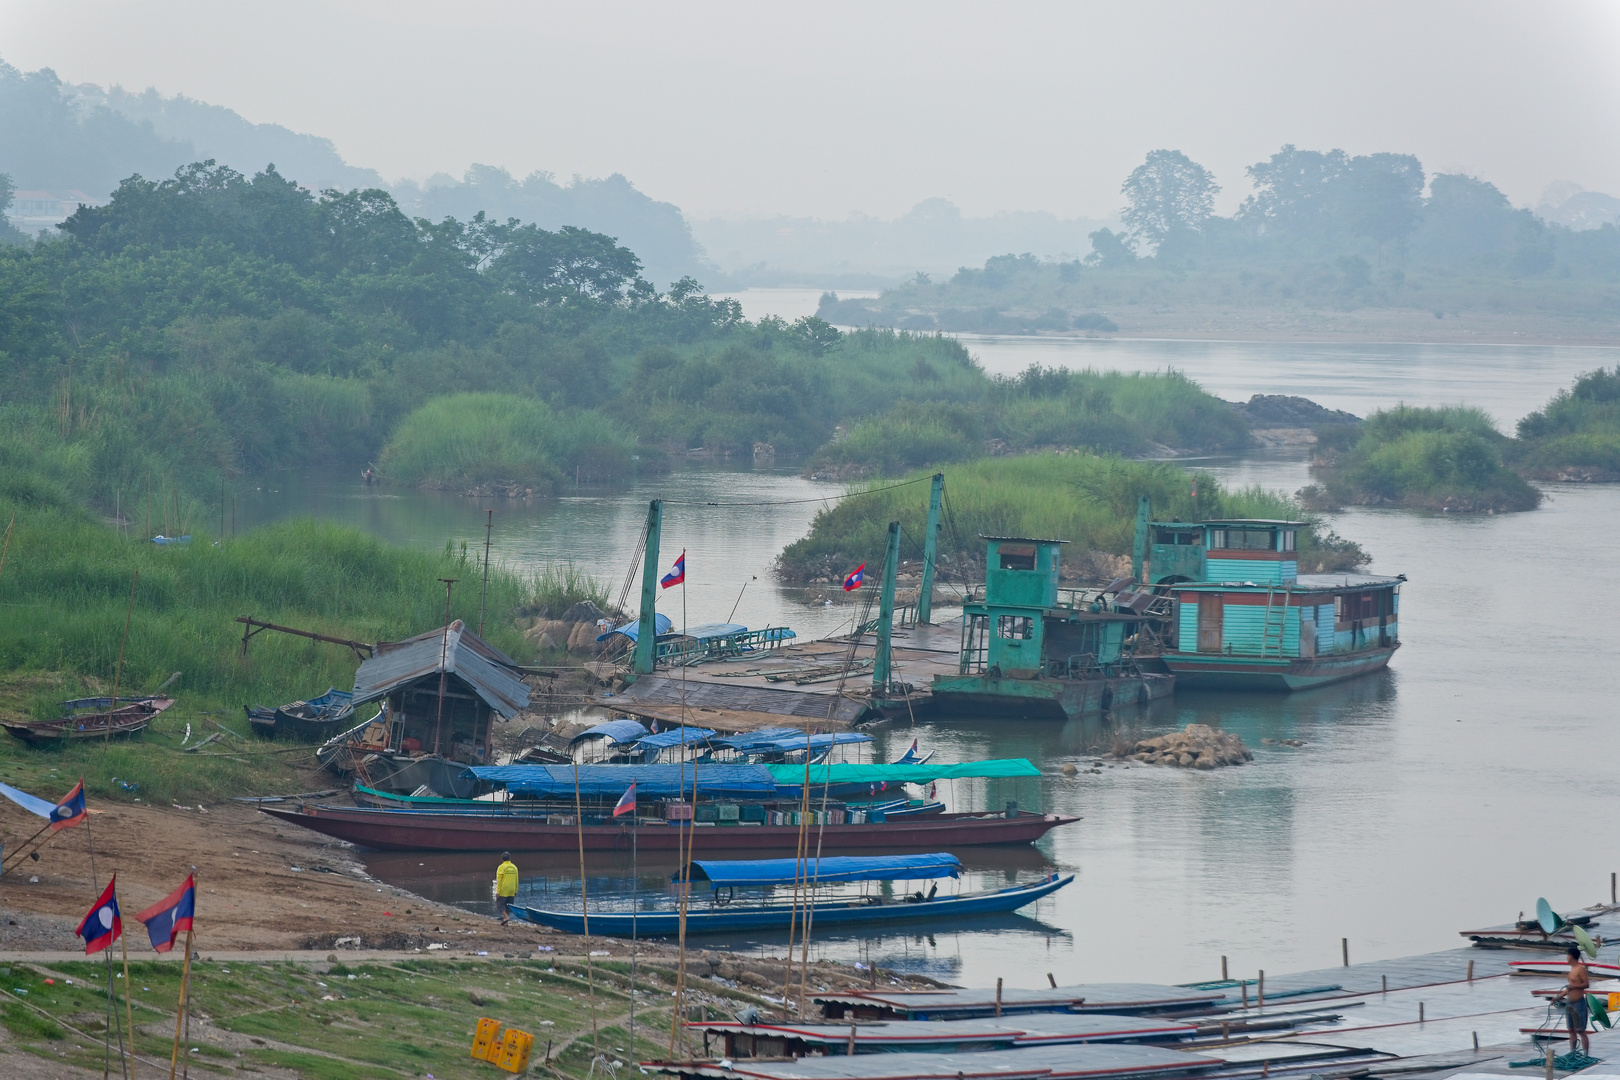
(506,883)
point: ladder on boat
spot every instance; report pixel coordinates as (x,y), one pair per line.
(1276,620)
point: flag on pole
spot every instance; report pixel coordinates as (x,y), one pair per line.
(677,573)
(627,801)
(102,925)
(70,811)
(932,788)
(168,917)
(853,579)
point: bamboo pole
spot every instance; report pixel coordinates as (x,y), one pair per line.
(118,673)
(7,548)
(585,910)
(185,987)
(129,1014)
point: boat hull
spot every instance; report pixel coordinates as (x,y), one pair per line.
(1058,699)
(126,720)
(422,830)
(1220,671)
(720,921)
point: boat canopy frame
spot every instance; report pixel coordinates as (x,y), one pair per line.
(759,873)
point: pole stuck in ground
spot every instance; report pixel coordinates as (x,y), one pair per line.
(1260,990)
(1223,970)
(1344,947)
(998,995)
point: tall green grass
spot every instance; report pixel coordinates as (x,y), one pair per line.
(505,439)
(1448,458)
(65,591)
(1089,500)
(1040,409)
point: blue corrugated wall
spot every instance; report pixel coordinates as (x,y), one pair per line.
(1261,572)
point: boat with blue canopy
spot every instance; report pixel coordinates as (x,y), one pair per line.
(724,913)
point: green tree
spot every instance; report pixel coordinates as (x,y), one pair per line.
(1168,195)
(1110,250)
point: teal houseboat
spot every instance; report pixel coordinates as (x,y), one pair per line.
(1032,649)
(1247,619)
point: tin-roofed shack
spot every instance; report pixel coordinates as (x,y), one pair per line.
(441,692)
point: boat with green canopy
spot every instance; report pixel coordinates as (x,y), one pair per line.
(818,883)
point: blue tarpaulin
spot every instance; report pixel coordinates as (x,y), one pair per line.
(724,872)
(611,781)
(619,731)
(673,737)
(632,629)
(817,742)
(748,740)
(30,803)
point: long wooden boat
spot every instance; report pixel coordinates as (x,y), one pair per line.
(91,718)
(374,798)
(726,919)
(461,830)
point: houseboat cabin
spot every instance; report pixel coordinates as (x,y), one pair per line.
(441,693)
(1030,648)
(1247,619)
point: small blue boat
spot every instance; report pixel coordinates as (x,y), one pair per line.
(315,719)
(724,914)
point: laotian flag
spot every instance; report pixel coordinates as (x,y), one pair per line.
(627,801)
(677,573)
(168,917)
(853,579)
(102,925)
(70,811)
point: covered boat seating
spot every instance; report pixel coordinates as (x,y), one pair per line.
(599,742)
(760,873)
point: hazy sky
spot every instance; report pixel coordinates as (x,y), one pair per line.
(826,108)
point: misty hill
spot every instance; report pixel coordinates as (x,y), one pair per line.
(655,231)
(933,238)
(68,144)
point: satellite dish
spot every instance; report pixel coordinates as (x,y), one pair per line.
(1545,915)
(1551,923)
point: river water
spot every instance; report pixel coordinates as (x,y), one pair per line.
(1446,793)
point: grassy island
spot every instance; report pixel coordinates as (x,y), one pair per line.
(1576,435)
(1448,459)
(1087,499)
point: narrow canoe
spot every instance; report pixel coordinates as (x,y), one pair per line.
(92,718)
(725,919)
(461,830)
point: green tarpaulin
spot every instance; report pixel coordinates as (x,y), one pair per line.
(900,774)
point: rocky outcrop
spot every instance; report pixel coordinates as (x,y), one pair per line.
(1197,746)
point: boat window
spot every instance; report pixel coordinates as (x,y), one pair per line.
(1178,537)
(1244,539)
(1017,627)
(1288,539)
(1017,556)
(1217,538)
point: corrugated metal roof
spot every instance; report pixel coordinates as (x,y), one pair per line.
(698,694)
(1028,1029)
(1092,997)
(459,652)
(1344,581)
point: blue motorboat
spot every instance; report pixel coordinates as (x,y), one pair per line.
(722,912)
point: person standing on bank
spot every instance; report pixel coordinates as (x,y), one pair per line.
(1574,997)
(506,883)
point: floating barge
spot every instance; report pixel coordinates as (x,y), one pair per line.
(1248,620)
(1031,649)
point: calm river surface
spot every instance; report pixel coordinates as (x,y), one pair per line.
(1449,792)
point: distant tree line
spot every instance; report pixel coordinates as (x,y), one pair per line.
(1314,205)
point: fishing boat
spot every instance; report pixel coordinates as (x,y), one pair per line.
(500,830)
(91,718)
(316,718)
(723,913)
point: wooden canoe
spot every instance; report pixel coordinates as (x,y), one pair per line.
(91,718)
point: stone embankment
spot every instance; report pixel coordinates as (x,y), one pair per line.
(1198,746)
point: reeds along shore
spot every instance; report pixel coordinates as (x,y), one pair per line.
(65,590)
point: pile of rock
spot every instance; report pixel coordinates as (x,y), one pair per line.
(1198,746)
(576,631)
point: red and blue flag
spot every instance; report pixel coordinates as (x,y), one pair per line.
(168,917)
(853,579)
(102,925)
(627,801)
(677,573)
(70,811)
